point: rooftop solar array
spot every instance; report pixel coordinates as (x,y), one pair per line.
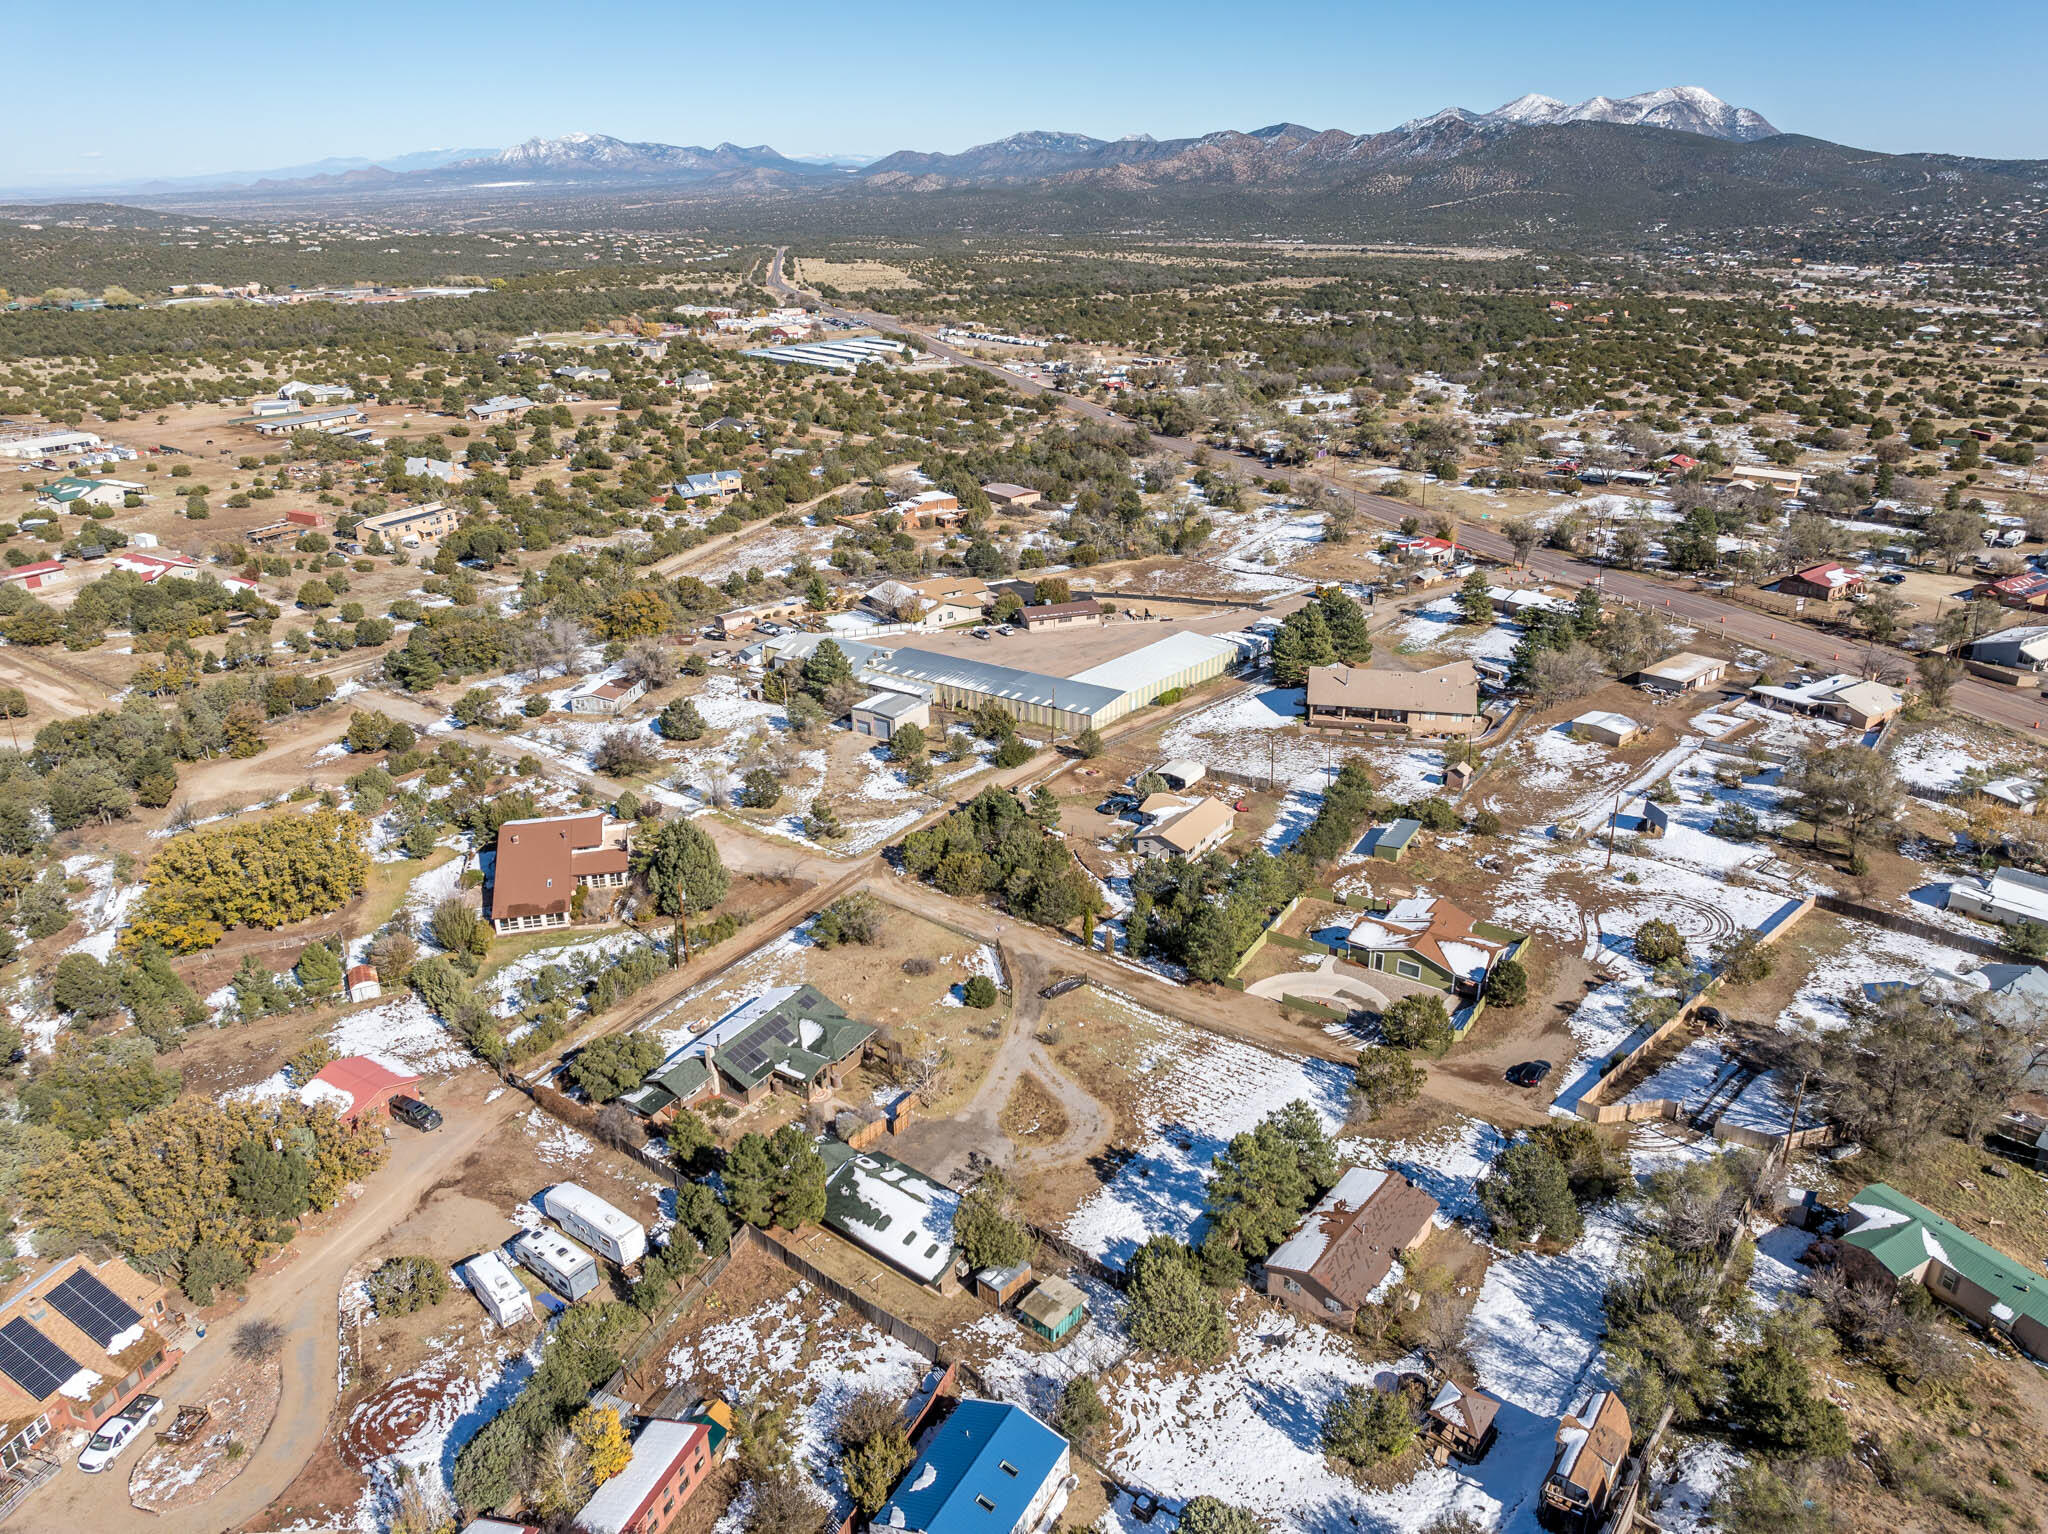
(93,1308)
(33,1361)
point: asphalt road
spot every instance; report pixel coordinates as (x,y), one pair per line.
(1789,637)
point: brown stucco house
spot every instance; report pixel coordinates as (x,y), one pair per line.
(1348,1243)
(1442,701)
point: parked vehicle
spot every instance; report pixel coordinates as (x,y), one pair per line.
(1530,1073)
(423,1116)
(558,1262)
(596,1223)
(117,1432)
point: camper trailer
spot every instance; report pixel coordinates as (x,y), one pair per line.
(498,1289)
(595,1223)
(558,1262)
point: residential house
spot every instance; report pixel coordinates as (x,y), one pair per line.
(989,1468)
(951,599)
(319,394)
(881,714)
(76,490)
(1333,1264)
(541,863)
(1843,698)
(37,575)
(78,1342)
(697,382)
(435,468)
(1053,1308)
(1608,729)
(1008,497)
(2027,590)
(1427,939)
(1184,828)
(1460,1420)
(742,620)
(501,407)
(2012,994)
(927,503)
(1683,672)
(1438,702)
(710,482)
(892,1211)
(575,374)
(670,1459)
(1430,551)
(356,1087)
(410,526)
(1060,615)
(1889,1234)
(2021,649)
(2008,896)
(606,695)
(1592,1446)
(1789,482)
(794,1037)
(1824,582)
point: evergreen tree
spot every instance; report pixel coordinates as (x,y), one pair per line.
(1527,1193)
(1167,1307)
(1349,635)
(682,869)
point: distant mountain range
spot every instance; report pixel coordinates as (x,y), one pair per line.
(597,158)
(1534,169)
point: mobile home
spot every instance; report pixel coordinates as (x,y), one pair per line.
(591,1220)
(498,1289)
(558,1262)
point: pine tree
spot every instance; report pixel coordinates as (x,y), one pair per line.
(1349,635)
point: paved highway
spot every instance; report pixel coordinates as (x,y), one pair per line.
(2017,709)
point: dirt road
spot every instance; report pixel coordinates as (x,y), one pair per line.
(302,1297)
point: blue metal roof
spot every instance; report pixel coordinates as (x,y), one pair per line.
(978,1473)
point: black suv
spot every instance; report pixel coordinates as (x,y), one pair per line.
(1530,1073)
(421,1116)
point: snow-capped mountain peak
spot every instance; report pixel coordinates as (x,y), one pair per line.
(1682,108)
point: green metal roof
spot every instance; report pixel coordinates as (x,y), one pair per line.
(1904,1235)
(802,1034)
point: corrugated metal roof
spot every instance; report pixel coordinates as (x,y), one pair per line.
(1159,662)
(1077,696)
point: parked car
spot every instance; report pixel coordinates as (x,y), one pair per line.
(1530,1073)
(117,1432)
(422,1116)
(1892,578)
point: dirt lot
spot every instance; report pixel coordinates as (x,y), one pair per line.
(1064,652)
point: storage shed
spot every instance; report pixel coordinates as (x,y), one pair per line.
(1053,1308)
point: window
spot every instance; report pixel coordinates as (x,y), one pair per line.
(984,1504)
(1009,1469)
(1948,1283)
(1292,1286)
(1409,968)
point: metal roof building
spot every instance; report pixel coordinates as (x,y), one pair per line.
(835,356)
(990,1468)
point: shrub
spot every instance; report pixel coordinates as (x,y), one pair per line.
(401,1285)
(1507,984)
(1657,942)
(760,789)
(1013,752)
(852,918)
(1366,1427)
(980,991)
(1421,1021)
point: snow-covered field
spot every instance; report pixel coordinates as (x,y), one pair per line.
(809,1355)
(1441,628)
(1199,1092)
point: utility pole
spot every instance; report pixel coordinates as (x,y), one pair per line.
(1611,819)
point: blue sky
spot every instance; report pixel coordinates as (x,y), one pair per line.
(137,88)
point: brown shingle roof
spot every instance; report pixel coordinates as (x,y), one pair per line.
(1451,689)
(1350,1239)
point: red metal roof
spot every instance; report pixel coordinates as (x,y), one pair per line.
(363,1079)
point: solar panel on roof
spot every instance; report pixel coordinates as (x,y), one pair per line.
(33,1361)
(93,1308)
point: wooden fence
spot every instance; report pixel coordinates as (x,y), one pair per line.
(1592,1103)
(1894,921)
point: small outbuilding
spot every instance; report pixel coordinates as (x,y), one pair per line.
(1390,843)
(1053,1308)
(1460,1420)
(363,984)
(1607,728)
(999,1286)
(881,714)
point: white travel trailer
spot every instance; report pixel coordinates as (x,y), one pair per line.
(559,1262)
(498,1288)
(595,1223)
